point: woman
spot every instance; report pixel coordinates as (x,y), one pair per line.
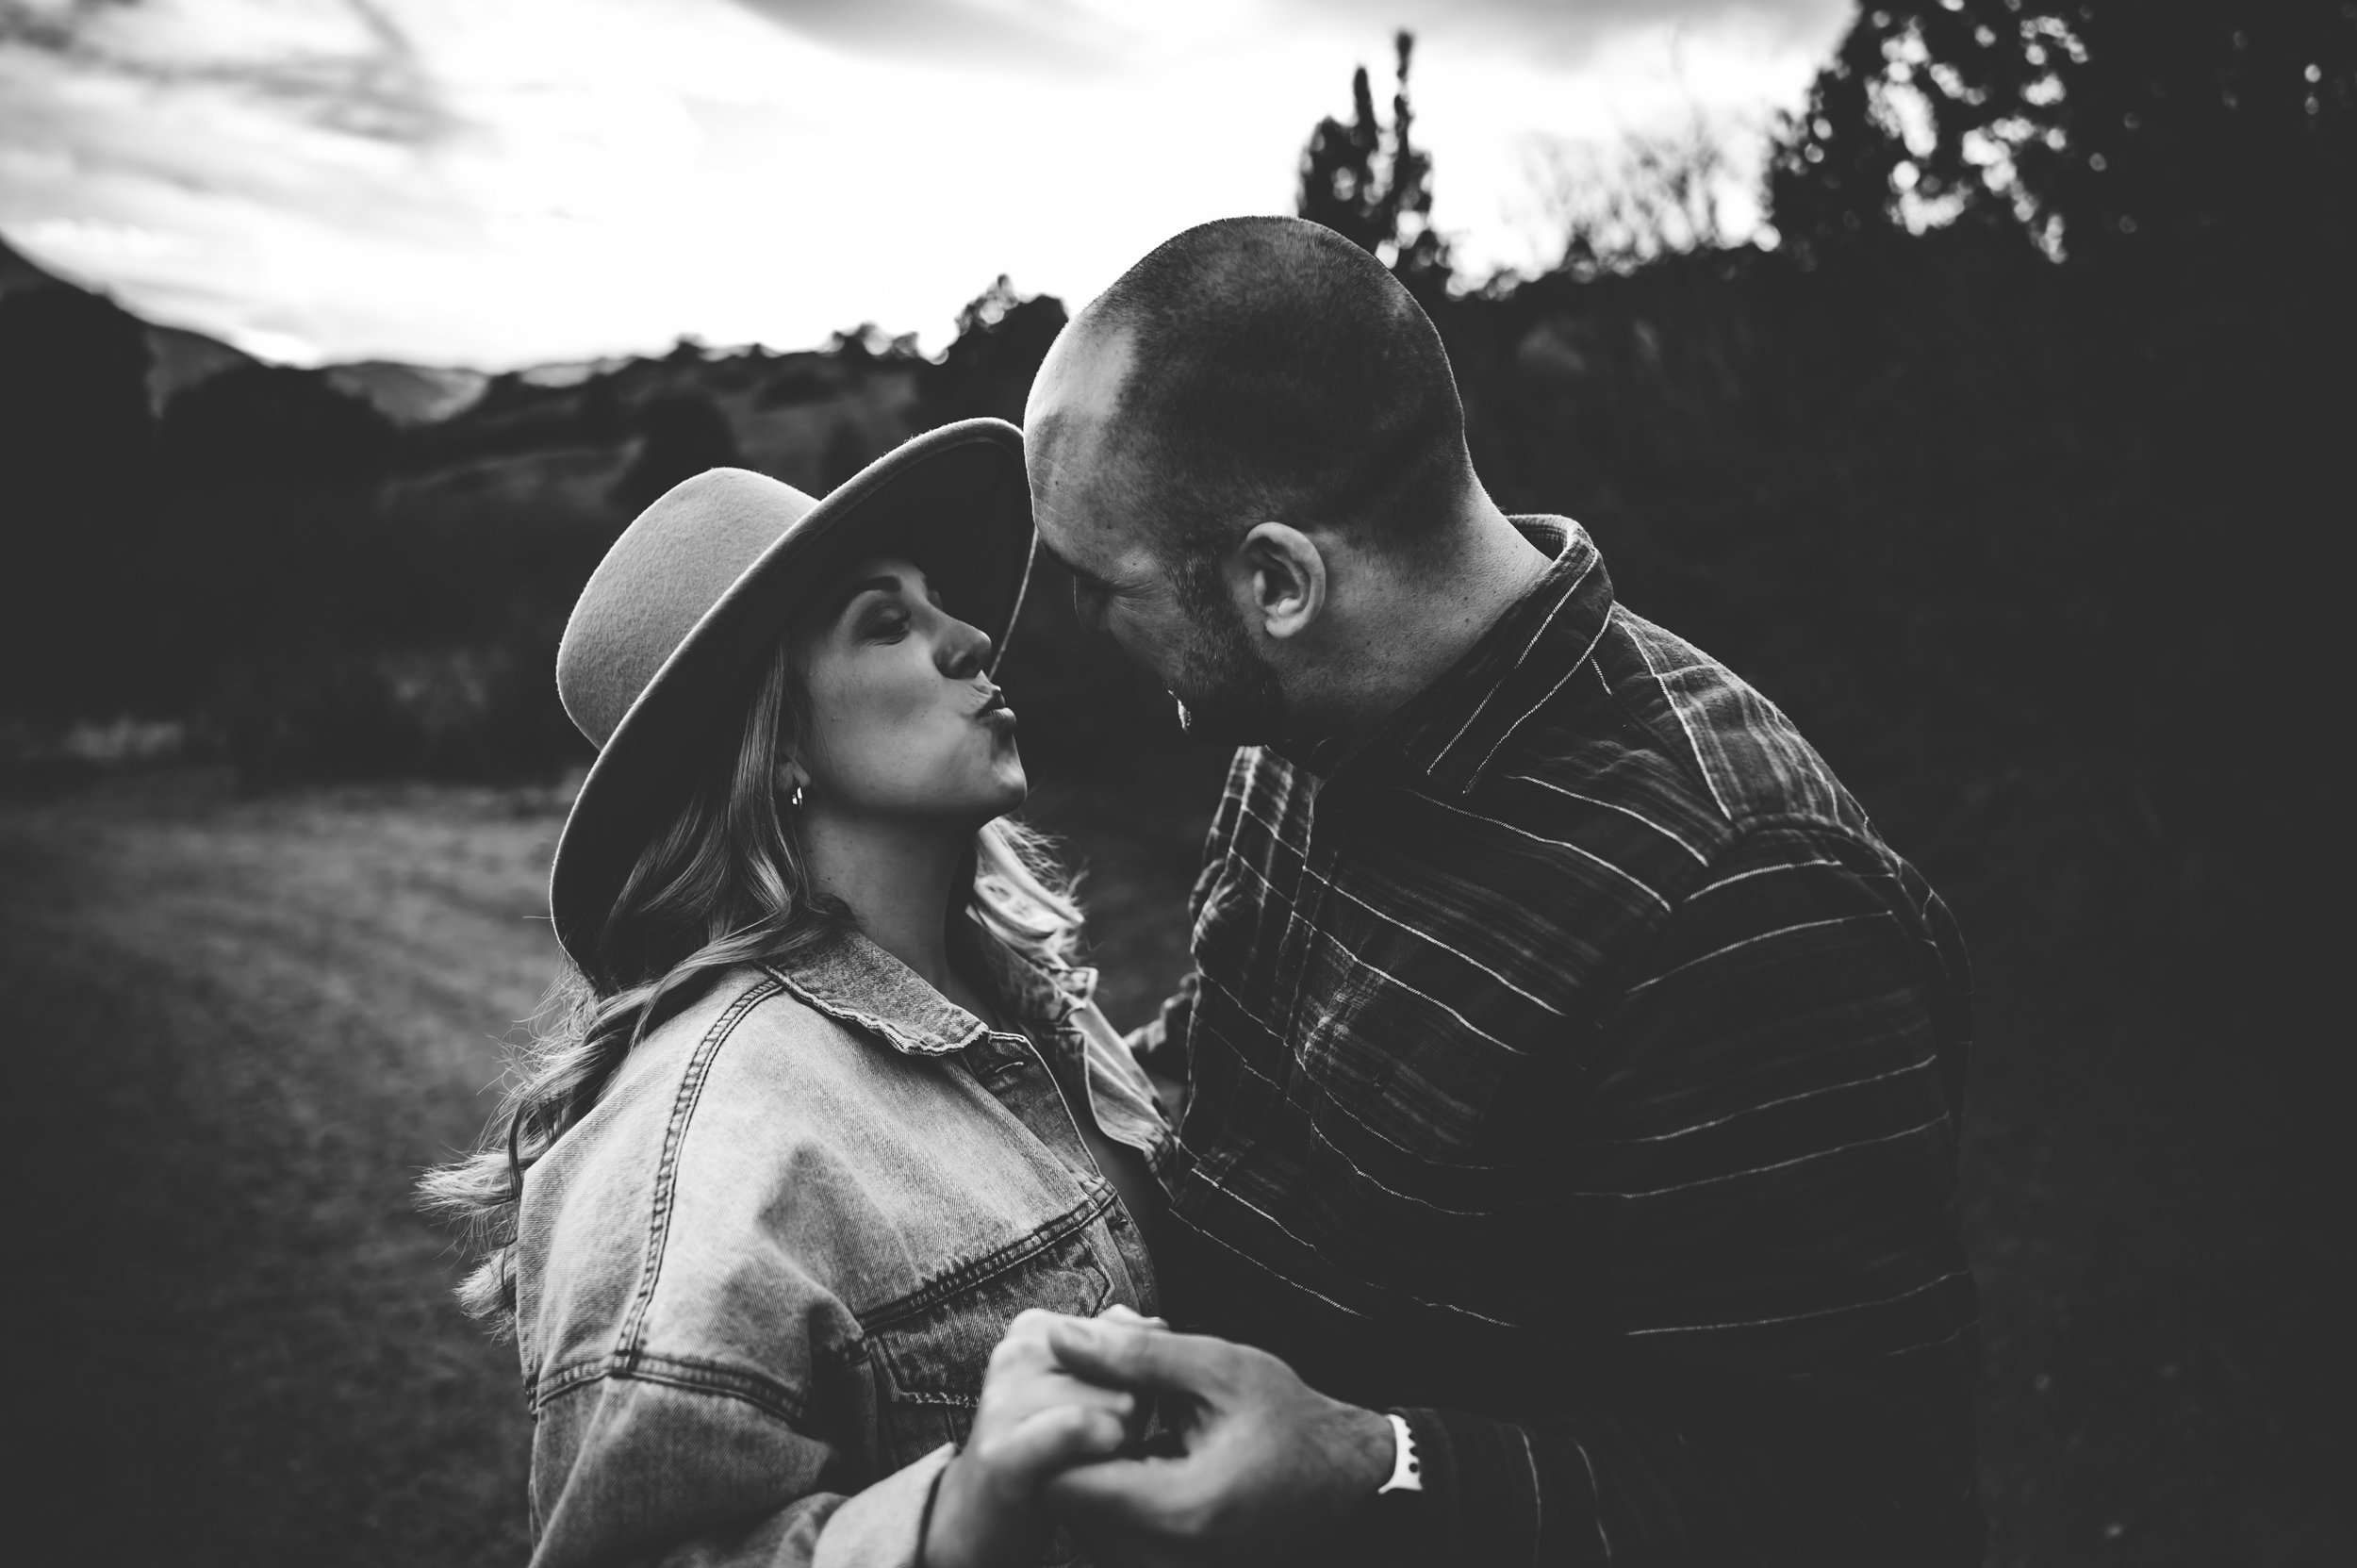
(830,1107)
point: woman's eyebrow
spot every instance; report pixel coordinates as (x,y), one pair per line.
(884,584)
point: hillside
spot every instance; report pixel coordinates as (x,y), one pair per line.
(182,358)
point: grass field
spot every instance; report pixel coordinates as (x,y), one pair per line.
(239,1025)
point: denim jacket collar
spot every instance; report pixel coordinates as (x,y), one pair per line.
(853,980)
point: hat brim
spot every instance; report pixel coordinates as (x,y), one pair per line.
(954,501)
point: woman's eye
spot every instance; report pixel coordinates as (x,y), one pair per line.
(889,627)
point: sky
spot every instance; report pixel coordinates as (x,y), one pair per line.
(502,183)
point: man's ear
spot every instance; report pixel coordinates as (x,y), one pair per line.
(1288,578)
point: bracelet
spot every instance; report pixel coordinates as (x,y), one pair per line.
(1407,1468)
(925,1515)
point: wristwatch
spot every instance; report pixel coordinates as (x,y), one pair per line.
(1407,1466)
(1394,1527)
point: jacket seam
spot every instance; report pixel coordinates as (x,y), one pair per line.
(691,1376)
(1093,1207)
(698,1068)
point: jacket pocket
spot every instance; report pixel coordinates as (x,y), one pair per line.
(929,1361)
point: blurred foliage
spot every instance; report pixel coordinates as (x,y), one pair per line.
(272,428)
(76,459)
(2112,131)
(1001,339)
(1652,194)
(680,435)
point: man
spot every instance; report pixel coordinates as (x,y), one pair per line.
(1574,1073)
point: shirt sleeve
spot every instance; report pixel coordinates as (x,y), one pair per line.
(630,1469)
(1769,1139)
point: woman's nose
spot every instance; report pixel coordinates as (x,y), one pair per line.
(963,651)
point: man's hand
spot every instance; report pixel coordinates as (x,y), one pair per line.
(1034,1419)
(1268,1466)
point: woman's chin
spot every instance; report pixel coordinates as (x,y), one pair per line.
(1013,789)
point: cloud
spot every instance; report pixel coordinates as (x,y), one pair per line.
(499,183)
(343,66)
(1049,36)
(1061,36)
(1570,32)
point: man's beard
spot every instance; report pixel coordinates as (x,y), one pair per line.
(1231,696)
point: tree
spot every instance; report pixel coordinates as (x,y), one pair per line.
(1372,185)
(273,427)
(75,437)
(868,343)
(1651,196)
(848,450)
(2105,129)
(683,433)
(1002,337)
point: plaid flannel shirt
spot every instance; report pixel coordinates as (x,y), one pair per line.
(1572,1068)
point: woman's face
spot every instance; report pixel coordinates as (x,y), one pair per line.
(903,720)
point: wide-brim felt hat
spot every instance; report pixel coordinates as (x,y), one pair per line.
(661,648)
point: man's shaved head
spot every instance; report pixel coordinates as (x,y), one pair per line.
(1262,368)
(1250,455)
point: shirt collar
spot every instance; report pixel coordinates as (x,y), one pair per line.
(854,980)
(1450,730)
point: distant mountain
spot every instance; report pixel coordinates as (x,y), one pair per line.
(16,273)
(410,395)
(571,373)
(178,358)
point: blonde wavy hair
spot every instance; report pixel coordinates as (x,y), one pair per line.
(722,885)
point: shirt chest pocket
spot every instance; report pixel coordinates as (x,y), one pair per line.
(929,1360)
(1404,1036)
(1403,1093)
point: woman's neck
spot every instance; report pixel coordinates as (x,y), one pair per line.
(896,877)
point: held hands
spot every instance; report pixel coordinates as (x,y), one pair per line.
(1035,1418)
(1266,1466)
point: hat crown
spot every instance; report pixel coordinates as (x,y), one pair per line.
(662,577)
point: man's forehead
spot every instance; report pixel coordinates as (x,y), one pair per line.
(1082,519)
(1081,384)
(1081,478)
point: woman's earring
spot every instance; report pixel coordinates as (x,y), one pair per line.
(797,802)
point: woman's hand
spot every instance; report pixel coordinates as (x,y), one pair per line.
(1035,1420)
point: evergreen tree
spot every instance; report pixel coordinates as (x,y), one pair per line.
(1372,185)
(1339,184)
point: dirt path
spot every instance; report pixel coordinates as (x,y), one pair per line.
(239,1029)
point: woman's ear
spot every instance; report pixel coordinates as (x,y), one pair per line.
(1287,576)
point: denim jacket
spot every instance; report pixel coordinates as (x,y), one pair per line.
(759,1282)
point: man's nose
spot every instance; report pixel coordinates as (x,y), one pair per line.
(963,651)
